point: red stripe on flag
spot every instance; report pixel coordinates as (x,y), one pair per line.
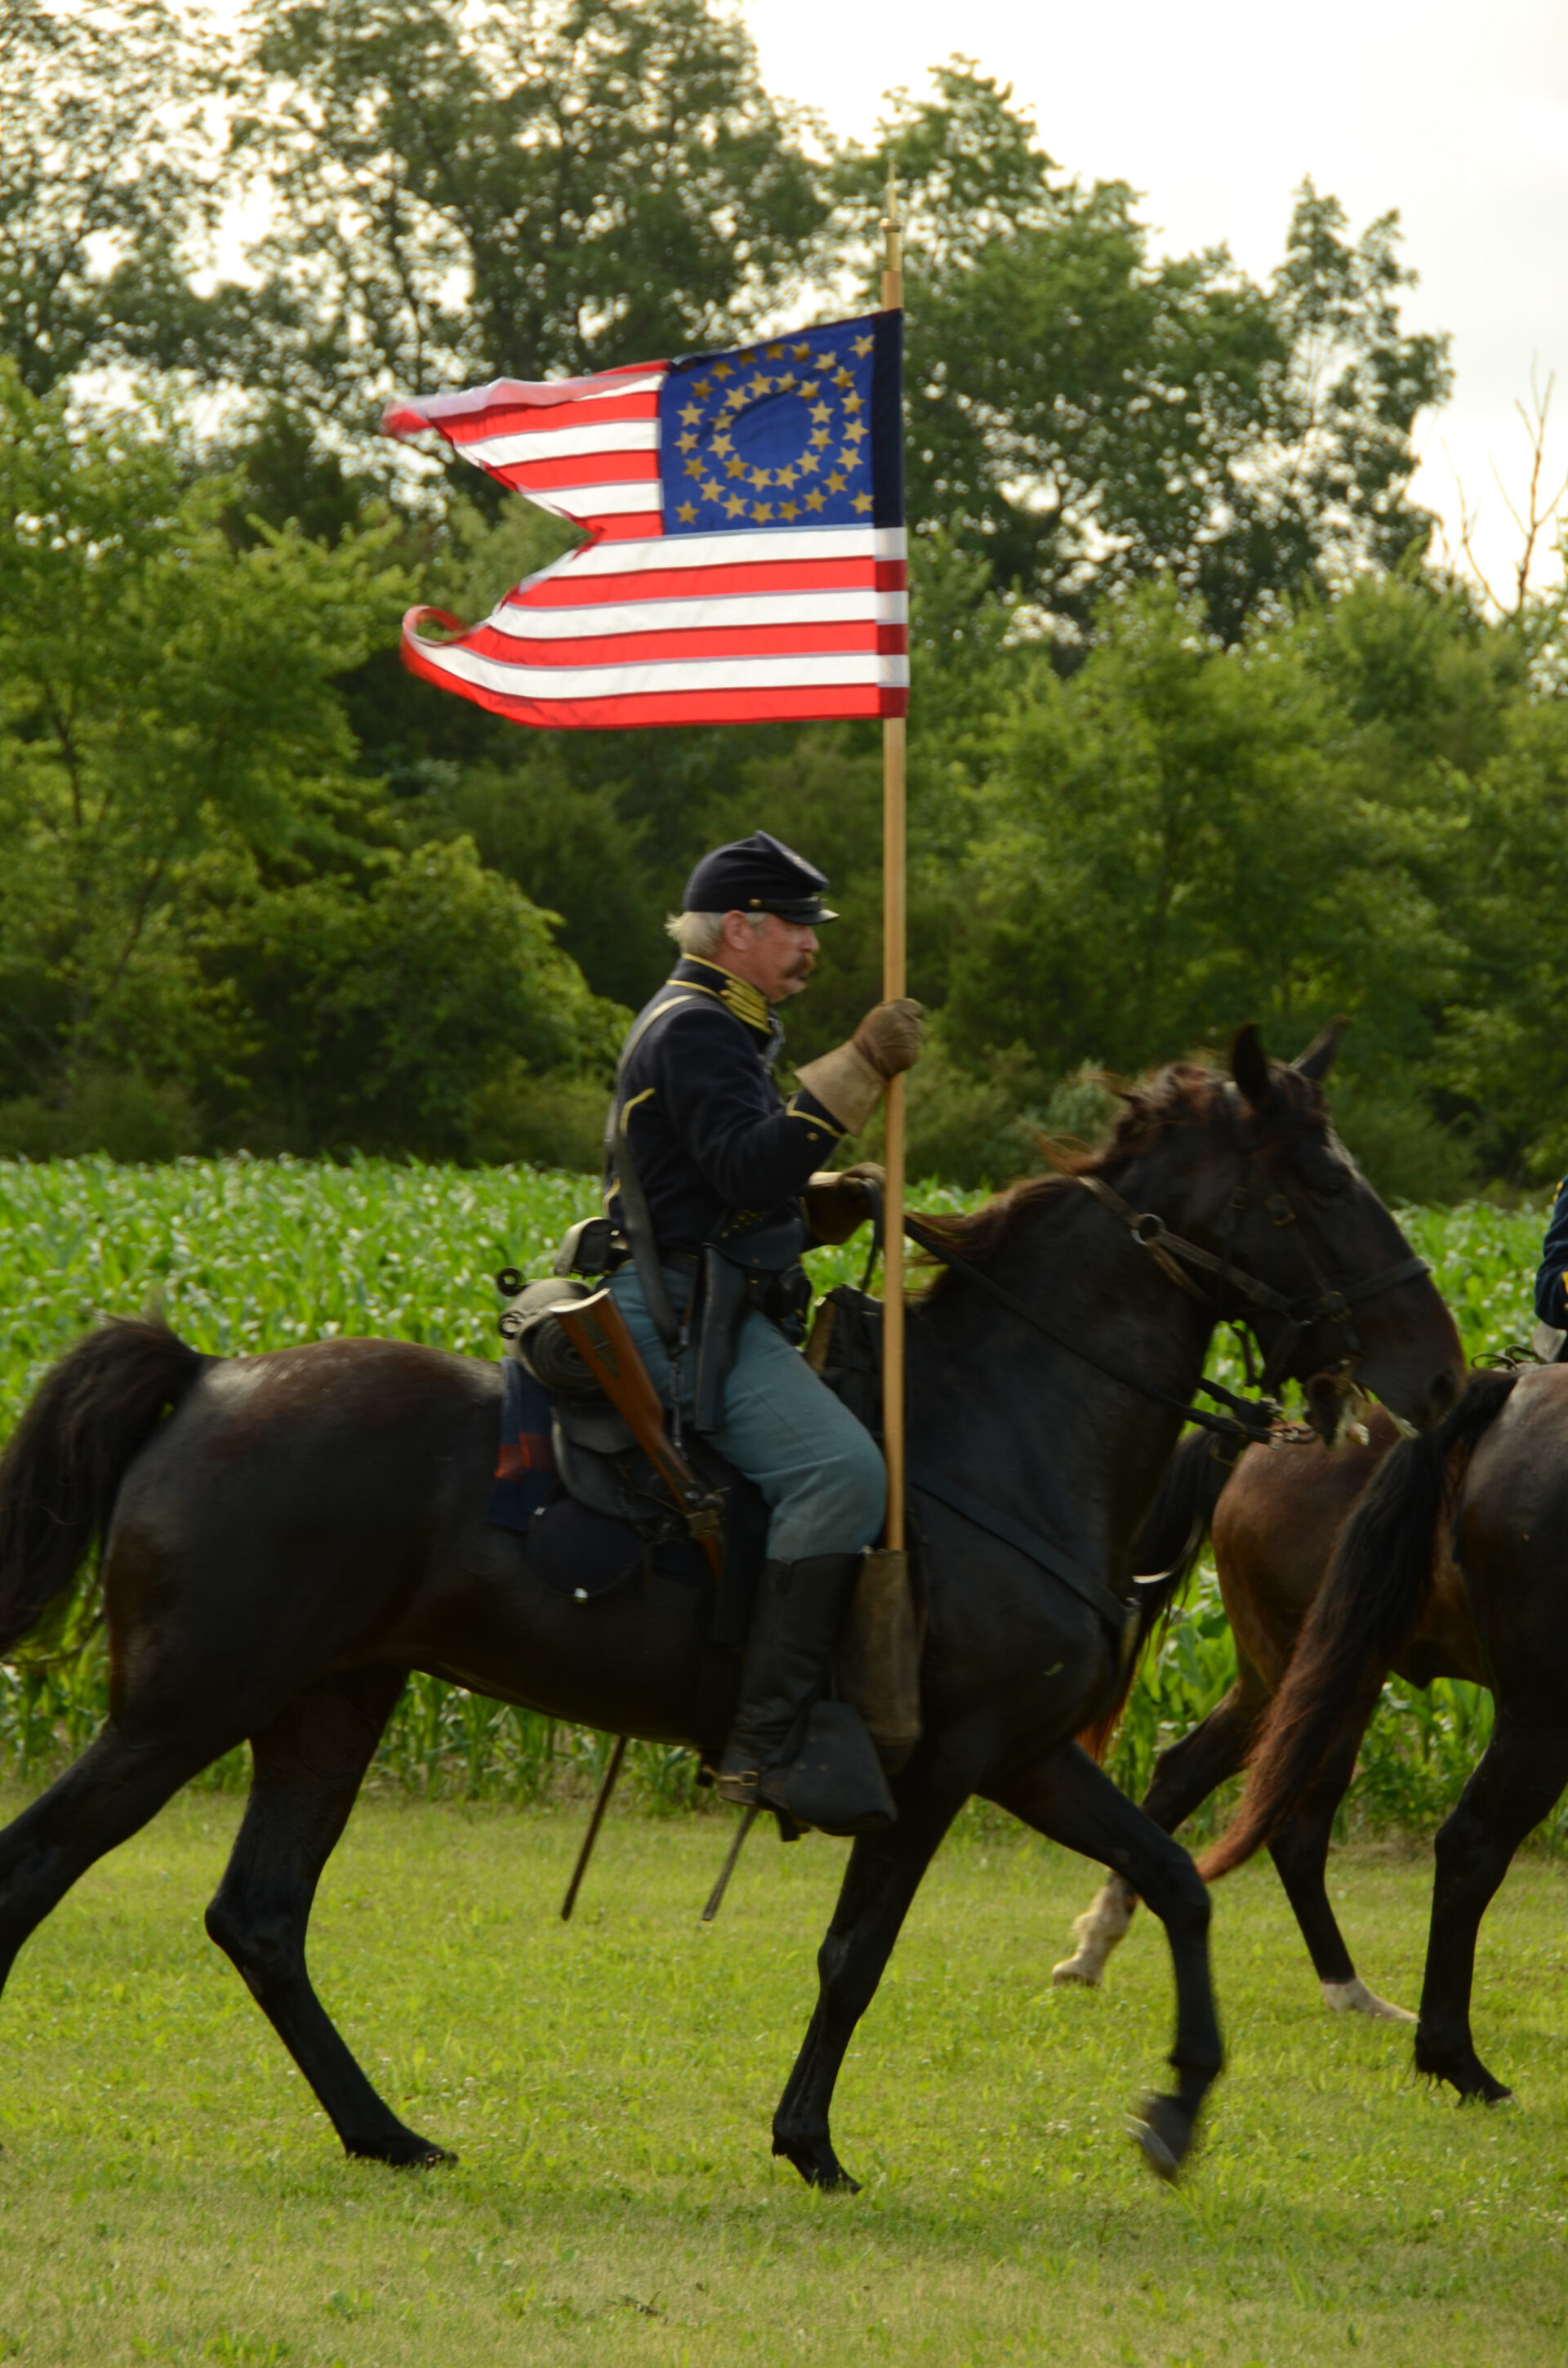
(583,469)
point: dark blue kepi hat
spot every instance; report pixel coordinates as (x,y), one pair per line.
(758,875)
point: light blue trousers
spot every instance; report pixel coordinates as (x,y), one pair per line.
(820,1471)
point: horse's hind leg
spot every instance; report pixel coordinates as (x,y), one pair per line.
(308,1763)
(1184,1776)
(1519,1777)
(1300,1851)
(108,1795)
(882,1877)
(1065,1796)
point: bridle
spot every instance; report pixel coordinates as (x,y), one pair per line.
(1244,1420)
(1322,1303)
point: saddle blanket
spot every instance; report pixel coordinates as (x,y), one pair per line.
(574,1549)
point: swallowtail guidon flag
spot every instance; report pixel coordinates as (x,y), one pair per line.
(745,560)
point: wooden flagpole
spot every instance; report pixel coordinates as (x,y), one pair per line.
(893,984)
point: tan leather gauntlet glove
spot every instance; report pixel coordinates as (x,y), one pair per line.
(849,1081)
(838,1205)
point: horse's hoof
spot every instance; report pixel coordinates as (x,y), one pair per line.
(405,2150)
(1070,1974)
(1161,2129)
(817,2164)
(1353,1998)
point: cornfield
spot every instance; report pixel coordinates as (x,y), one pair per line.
(244,1254)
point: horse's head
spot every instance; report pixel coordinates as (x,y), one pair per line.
(1336,1297)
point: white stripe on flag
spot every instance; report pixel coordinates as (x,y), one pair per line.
(576,682)
(641,495)
(856,606)
(738,549)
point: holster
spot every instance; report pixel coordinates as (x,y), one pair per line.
(760,1269)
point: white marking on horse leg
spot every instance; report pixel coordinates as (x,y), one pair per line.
(1353,1998)
(1098,1929)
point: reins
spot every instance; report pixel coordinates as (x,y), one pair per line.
(1244,1420)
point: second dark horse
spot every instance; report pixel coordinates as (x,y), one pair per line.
(305,1527)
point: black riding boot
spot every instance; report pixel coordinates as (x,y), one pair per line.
(791,1748)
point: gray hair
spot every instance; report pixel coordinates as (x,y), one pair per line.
(699,934)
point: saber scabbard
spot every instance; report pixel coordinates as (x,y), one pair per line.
(598,1330)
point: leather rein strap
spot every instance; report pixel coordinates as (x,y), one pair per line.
(1323,1304)
(1245,1419)
(1245,1422)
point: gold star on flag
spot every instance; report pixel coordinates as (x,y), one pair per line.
(687,443)
(734,468)
(821,438)
(686,513)
(862,502)
(802,353)
(822,411)
(762,477)
(849,457)
(808,464)
(722,370)
(836,483)
(736,505)
(844,377)
(763,513)
(692,414)
(723,444)
(695,467)
(851,402)
(737,399)
(863,345)
(703,387)
(775,353)
(760,386)
(825,361)
(786,477)
(808,388)
(790,511)
(816,499)
(854,430)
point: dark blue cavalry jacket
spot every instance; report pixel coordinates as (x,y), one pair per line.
(718,1148)
(1551,1281)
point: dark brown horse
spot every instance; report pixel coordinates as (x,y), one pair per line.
(1491,1478)
(1275,1517)
(288,1534)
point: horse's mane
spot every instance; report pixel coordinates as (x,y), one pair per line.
(1183,1093)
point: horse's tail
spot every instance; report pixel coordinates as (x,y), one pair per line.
(1364,1615)
(1175,1530)
(85,1424)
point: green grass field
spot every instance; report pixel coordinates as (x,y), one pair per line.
(168,2191)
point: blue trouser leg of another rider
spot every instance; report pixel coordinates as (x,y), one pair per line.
(818,1470)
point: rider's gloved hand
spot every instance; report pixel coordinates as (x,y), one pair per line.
(837,1205)
(850,1080)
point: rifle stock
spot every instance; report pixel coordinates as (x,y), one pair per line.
(598,1330)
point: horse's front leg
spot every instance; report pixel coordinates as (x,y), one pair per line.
(1064,1795)
(882,1877)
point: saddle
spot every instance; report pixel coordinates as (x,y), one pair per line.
(595,1508)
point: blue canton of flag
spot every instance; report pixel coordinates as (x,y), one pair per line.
(800,430)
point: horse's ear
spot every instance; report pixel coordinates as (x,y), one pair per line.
(1319,1057)
(1249,1066)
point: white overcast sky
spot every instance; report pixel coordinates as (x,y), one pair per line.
(1453,111)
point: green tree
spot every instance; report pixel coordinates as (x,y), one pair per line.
(1087,415)
(106,180)
(530,188)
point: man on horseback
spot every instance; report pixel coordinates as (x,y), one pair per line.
(714,1184)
